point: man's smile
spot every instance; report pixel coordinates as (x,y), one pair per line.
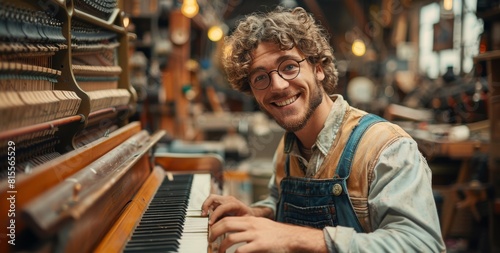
(286,101)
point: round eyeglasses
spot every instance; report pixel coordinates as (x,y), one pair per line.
(287,69)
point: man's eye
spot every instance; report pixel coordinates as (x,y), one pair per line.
(289,67)
(259,78)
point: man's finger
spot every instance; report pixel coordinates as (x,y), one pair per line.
(210,203)
(234,238)
(226,209)
(227,225)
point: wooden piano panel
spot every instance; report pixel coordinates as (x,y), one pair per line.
(49,174)
(85,205)
(119,234)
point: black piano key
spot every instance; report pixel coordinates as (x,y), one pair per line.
(152,248)
(174,204)
(181,213)
(162,224)
(164,209)
(162,220)
(171,233)
(155,240)
(165,220)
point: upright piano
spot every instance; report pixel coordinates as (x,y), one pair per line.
(75,174)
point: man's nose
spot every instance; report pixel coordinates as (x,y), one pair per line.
(277,82)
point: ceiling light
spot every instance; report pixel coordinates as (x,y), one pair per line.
(358,47)
(190,8)
(126,21)
(448,5)
(215,33)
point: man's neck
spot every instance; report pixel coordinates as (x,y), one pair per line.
(311,130)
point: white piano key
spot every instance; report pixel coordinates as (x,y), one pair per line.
(195,234)
(200,190)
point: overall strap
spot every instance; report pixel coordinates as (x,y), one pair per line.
(287,166)
(344,166)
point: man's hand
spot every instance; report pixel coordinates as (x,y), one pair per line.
(221,206)
(264,235)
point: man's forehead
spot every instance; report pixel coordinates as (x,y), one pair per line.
(268,52)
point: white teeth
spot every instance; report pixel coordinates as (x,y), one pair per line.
(286,102)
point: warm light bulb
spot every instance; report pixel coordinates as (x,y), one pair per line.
(126,21)
(448,5)
(215,33)
(358,47)
(189,8)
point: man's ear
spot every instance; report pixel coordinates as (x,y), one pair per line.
(320,74)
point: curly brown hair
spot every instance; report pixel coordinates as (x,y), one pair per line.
(288,29)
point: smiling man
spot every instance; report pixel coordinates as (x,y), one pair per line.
(292,106)
(344,180)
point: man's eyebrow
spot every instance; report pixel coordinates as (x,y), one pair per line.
(276,62)
(284,57)
(256,70)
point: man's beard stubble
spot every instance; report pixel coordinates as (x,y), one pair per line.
(315,100)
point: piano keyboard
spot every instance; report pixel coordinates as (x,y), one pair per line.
(172,222)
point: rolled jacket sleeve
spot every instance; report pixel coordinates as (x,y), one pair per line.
(401,206)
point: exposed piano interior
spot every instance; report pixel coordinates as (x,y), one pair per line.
(75,171)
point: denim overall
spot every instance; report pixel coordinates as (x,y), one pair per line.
(323,202)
